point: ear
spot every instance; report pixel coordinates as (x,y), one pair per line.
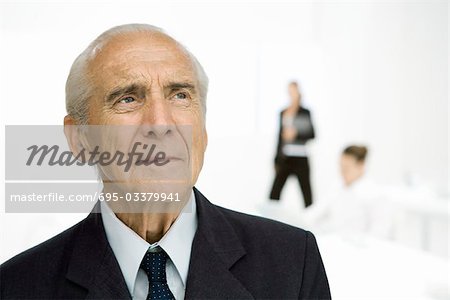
(71,131)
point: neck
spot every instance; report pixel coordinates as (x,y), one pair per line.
(149,226)
(149,220)
(294,105)
(352,182)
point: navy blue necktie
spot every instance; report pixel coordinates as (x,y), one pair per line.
(154,264)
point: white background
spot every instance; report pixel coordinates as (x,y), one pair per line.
(371,72)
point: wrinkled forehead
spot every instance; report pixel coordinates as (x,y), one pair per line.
(150,56)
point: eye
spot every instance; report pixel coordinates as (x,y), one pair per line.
(180,96)
(126,100)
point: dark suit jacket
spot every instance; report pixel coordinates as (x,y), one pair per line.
(303,135)
(234,256)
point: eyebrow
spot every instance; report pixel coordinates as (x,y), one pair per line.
(181,85)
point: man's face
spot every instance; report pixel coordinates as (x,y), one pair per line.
(145,82)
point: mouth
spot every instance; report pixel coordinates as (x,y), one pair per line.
(160,162)
(174,158)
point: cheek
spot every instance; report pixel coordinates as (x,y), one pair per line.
(347,171)
(195,122)
(354,172)
(198,144)
(198,148)
(344,173)
(360,169)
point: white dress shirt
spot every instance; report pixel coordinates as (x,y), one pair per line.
(354,210)
(129,249)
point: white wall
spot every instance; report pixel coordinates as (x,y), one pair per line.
(371,72)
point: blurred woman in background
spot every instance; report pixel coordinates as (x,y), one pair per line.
(357,206)
(296,130)
(353,163)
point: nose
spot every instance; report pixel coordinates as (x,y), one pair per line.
(157,119)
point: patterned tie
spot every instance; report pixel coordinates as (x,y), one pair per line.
(154,264)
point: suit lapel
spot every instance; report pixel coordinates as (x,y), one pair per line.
(215,249)
(93,265)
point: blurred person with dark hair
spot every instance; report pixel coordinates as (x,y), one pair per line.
(357,205)
(296,130)
(353,160)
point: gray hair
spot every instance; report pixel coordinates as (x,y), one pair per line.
(79,87)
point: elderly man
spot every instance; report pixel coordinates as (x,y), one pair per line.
(140,80)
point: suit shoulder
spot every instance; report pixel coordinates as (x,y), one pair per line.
(39,272)
(47,254)
(263,239)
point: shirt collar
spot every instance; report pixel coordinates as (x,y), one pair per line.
(129,248)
